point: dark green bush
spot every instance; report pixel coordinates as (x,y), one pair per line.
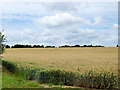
(10,66)
(56,77)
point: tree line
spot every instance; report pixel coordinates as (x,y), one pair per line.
(42,46)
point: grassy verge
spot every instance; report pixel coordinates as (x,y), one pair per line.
(12,81)
(89,79)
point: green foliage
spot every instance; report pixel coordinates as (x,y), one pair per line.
(29,74)
(2,39)
(12,81)
(98,80)
(56,77)
(89,79)
(10,66)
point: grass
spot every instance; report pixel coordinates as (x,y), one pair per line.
(12,81)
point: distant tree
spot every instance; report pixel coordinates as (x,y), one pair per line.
(21,46)
(34,46)
(65,46)
(92,46)
(27,46)
(50,46)
(84,45)
(38,46)
(42,46)
(17,46)
(77,45)
(7,46)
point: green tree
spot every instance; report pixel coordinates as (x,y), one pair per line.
(2,39)
(2,46)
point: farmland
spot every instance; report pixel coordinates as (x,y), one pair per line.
(81,67)
(68,59)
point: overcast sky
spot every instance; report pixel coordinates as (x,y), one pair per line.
(60,23)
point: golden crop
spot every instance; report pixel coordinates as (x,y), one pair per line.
(69,59)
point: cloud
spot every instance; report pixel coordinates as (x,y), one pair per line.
(116,26)
(60,20)
(66,20)
(62,36)
(60,23)
(88,9)
(98,21)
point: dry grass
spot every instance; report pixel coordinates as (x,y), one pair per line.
(69,59)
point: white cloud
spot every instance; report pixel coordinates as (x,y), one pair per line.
(98,21)
(115,26)
(42,9)
(60,20)
(61,23)
(66,20)
(63,36)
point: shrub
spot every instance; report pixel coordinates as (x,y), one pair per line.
(89,79)
(10,66)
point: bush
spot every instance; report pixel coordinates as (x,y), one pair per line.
(89,79)
(10,66)
(56,77)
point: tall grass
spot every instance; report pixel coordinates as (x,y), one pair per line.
(89,79)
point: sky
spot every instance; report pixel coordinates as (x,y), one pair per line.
(60,23)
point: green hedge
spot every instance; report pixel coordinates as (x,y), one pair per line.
(88,79)
(10,66)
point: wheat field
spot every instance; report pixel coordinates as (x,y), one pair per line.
(68,59)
